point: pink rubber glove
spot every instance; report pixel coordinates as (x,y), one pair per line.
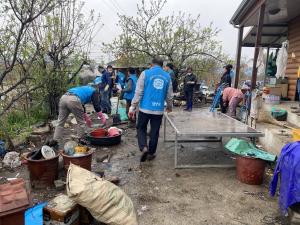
(131,113)
(87,120)
(102,117)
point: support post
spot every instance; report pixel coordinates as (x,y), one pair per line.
(266,69)
(176,151)
(238,56)
(257,44)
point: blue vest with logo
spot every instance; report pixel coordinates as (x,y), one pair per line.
(130,95)
(156,87)
(121,79)
(84,93)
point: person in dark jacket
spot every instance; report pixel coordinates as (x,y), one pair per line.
(106,88)
(226,77)
(226,82)
(73,101)
(190,81)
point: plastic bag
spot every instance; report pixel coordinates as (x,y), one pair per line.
(281,60)
(243,148)
(105,201)
(12,160)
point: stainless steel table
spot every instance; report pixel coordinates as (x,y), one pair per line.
(204,126)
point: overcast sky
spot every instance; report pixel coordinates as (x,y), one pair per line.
(217,11)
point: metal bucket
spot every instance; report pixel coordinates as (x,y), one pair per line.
(84,161)
(43,172)
(250,170)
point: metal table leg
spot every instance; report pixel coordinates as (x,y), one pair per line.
(165,128)
(176,149)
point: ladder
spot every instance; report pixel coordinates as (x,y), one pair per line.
(245,109)
(217,98)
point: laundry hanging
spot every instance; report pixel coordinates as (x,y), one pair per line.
(281,60)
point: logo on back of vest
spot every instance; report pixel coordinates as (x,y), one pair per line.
(156,103)
(158,83)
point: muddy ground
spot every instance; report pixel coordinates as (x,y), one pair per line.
(163,195)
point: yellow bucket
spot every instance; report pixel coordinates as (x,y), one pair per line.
(296,134)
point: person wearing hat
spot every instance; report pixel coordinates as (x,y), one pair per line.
(232,97)
(153,89)
(73,101)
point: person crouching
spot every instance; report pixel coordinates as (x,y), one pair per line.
(73,101)
(232,97)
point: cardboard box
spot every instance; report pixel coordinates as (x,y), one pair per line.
(278,90)
(61,211)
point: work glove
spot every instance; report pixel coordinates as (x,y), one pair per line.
(102,117)
(87,120)
(131,113)
(106,87)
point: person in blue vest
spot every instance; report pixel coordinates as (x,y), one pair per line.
(153,88)
(121,78)
(129,90)
(170,69)
(73,101)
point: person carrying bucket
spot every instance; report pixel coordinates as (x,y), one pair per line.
(153,88)
(73,101)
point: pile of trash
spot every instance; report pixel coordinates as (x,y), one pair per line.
(72,148)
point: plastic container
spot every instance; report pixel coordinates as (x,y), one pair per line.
(250,170)
(296,134)
(100,132)
(13,202)
(42,172)
(272,99)
(113,131)
(105,141)
(84,161)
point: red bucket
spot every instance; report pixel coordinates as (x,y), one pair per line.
(84,161)
(250,170)
(100,132)
(42,172)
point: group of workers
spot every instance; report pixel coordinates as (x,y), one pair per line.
(145,97)
(147,94)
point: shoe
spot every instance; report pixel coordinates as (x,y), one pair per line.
(189,110)
(186,110)
(144,155)
(151,157)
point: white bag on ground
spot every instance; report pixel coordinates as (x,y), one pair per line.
(105,201)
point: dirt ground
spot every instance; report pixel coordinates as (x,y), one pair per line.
(163,195)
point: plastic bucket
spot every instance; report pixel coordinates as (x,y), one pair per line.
(42,172)
(250,170)
(296,134)
(100,132)
(84,161)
